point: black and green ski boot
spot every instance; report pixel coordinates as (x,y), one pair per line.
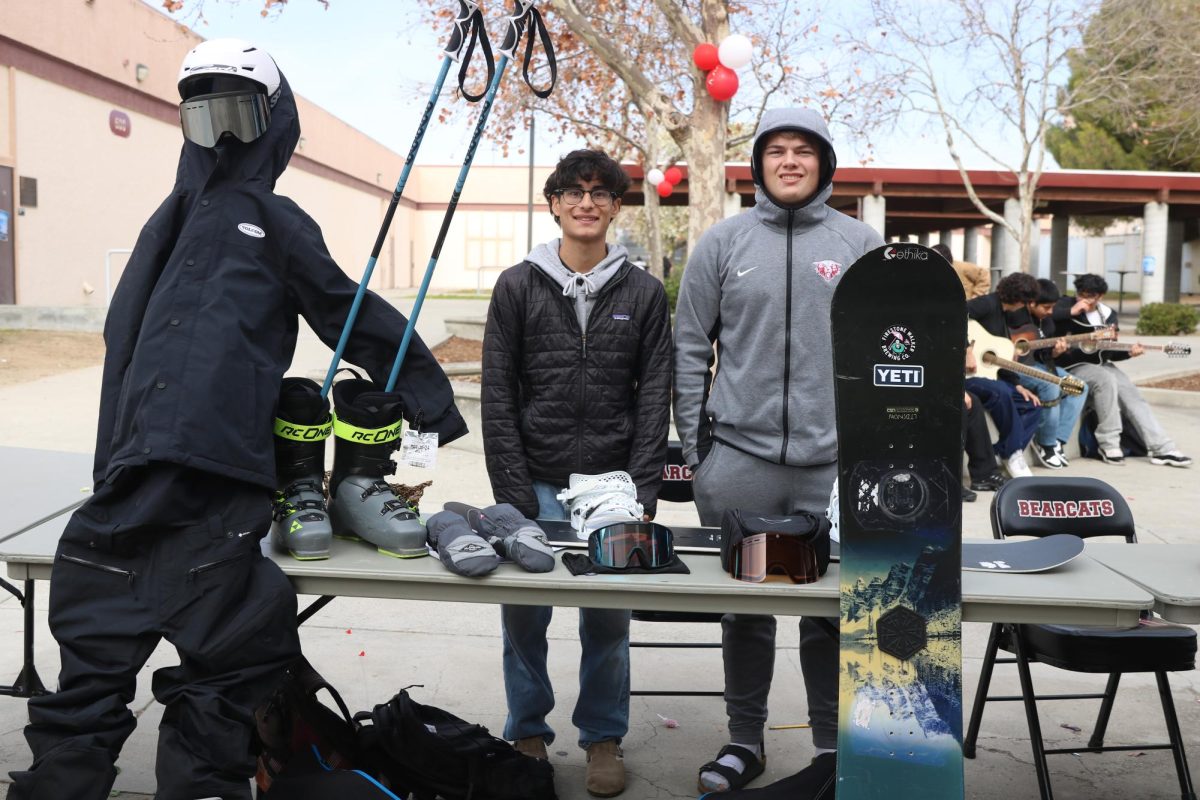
(366,430)
(301,522)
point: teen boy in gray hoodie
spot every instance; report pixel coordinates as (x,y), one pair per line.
(759,434)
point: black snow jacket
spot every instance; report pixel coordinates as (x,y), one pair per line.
(556,401)
(203,324)
(1080,324)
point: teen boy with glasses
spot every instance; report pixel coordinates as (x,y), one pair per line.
(576,379)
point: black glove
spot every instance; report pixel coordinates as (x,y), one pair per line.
(517,538)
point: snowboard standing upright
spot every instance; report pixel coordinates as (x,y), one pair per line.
(899,338)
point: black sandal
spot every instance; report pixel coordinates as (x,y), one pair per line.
(754,767)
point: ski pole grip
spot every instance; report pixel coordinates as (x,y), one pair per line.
(516,28)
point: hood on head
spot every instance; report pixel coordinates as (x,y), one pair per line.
(264,159)
(802,120)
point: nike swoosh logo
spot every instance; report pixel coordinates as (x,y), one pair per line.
(742,272)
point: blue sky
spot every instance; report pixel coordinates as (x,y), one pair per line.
(373,62)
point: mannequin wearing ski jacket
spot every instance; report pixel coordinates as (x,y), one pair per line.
(557,402)
(760,284)
(203,324)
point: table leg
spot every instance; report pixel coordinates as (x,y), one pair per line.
(28,682)
(313,608)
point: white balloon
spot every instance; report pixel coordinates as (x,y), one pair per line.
(655,176)
(735,51)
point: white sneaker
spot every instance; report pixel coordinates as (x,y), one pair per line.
(1016,466)
(1058,449)
(1171,458)
(598,500)
(1113,456)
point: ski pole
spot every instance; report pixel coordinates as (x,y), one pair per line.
(468,29)
(523,14)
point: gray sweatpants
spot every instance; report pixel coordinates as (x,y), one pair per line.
(1112,392)
(729,478)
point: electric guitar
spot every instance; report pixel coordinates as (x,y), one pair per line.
(994,353)
(1172,349)
(1026,341)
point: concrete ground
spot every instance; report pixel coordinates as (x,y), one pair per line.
(370,649)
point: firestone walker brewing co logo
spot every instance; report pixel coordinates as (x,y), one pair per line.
(898,343)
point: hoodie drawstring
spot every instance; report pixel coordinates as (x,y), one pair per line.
(571,287)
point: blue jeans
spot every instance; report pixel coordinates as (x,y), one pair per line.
(1016,418)
(1057,421)
(602,710)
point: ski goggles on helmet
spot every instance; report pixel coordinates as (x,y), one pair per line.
(763,554)
(631,544)
(206,118)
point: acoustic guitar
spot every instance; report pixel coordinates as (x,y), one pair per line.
(1025,339)
(1172,349)
(994,353)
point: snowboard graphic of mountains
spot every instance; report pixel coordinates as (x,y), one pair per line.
(910,709)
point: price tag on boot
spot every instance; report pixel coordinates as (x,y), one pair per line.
(418,449)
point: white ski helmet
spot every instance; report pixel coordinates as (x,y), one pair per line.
(231,57)
(228,86)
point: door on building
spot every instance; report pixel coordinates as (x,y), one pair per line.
(8,284)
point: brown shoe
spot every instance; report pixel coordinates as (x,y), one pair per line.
(605,769)
(532,746)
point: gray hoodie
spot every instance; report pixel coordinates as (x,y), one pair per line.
(582,286)
(759,286)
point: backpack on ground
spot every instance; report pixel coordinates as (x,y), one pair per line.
(436,754)
(308,751)
(1132,445)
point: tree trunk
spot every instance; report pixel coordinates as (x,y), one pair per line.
(705,152)
(653,215)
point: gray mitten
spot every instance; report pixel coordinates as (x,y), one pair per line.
(459,547)
(518,539)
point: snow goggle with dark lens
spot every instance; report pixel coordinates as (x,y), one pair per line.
(764,554)
(206,118)
(631,544)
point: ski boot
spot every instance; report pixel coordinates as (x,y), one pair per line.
(366,430)
(300,523)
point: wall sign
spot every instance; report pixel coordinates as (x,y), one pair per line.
(119,123)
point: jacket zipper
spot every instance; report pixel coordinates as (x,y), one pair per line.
(194,571)
(787,343)
(125,573)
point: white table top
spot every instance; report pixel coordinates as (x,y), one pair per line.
(1082,592)
(38,484)
(1170,572)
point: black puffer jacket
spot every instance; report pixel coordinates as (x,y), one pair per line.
(557,402)
(203,323)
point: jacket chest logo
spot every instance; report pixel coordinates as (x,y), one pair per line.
(252,230)
(827,269)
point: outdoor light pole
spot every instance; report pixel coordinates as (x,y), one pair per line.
(529,223)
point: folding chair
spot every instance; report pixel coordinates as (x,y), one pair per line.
(676,488)
(1042,506)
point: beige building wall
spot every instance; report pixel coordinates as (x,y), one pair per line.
(66,64)
(90,199)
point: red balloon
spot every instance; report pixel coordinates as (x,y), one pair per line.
(722,83)
(706,56)
(664,189)
(673,175)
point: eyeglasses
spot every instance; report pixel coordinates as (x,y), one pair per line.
(618,545)
(601,198)
(758,556)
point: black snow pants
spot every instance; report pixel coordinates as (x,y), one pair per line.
(119,587)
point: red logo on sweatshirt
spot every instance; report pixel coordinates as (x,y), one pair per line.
(827,269)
